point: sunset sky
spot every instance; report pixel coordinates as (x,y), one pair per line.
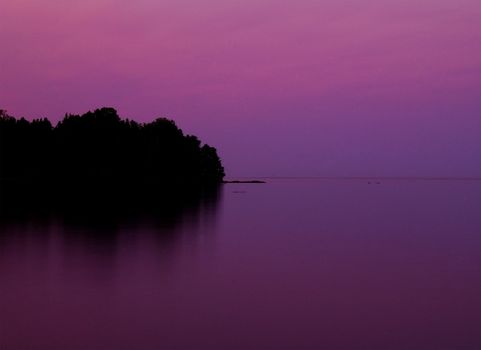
(280,88)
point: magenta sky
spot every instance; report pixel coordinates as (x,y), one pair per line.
(284,88)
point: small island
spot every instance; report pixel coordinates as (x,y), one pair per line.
(243,182)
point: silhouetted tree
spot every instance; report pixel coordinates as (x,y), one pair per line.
(100,147)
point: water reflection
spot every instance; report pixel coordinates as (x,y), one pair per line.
(299,264)
(92,229)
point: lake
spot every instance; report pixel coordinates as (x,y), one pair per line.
(289,264)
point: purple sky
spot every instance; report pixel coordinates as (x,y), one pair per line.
(283,88)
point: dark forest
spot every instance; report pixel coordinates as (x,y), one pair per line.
(100,146)
(100,163)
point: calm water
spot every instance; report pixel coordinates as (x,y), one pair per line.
(297,264)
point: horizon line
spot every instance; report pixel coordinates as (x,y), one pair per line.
(462,178)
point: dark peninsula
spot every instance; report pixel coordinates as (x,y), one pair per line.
(99,159)
(100,144)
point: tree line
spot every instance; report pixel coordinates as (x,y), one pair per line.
(100,147)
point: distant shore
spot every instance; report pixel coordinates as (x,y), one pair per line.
(243,182)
